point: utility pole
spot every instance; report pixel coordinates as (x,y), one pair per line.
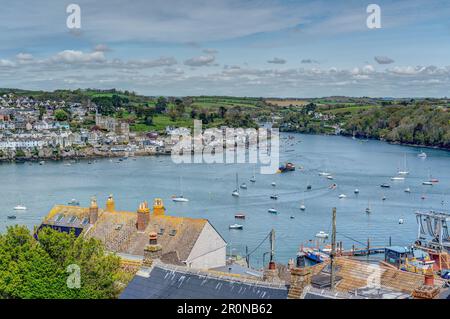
(333,248)
(272,249)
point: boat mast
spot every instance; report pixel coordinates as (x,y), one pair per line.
(333,248)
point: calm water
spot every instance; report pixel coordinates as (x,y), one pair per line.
(354,164)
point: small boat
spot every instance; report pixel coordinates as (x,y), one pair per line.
(243,186)
(434,180)
(273,184)
(397,178)
(427,183)
(309,187)
(41,162)
(11,217)
(239,216)
(235,193)
(356,191)
(302,206)
(288,167)
(324,174)
(368,210)
(273,211)
(180,199)
(330,177)
(423,197)
(274,196)
(422,155)
(404,171)
(73,202)
(20,207)
(385,185)
(342,196)
(383,198)
(253,179)
(292,217)
(236,226)
(322,234)
(408,190)
(67,164)
(401,221)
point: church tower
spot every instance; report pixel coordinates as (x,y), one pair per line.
(110,205)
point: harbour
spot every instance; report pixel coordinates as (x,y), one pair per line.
(363,166)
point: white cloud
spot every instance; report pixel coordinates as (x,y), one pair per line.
(24,57)
(202,60)
(101,48)
(6,63)
(78,57)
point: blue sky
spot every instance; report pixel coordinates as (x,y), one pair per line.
(217,47)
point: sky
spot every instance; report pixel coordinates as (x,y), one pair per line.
(267,48)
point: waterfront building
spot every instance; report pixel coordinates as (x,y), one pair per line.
(182,241)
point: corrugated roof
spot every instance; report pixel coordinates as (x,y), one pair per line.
(164,282)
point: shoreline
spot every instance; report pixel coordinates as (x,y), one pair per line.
(376,139)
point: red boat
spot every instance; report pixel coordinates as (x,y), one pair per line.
(434,180)
(288,167)
(239,216)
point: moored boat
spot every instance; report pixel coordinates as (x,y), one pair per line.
(20,207)
(239,216)
(236,226)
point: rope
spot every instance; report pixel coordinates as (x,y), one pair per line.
(348,237)
(259,245)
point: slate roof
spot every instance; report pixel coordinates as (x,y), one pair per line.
(117,230)
(170,282)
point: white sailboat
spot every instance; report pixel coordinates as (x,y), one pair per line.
(404,171)
(181,198)
(243,186)
(253,178)
(235,193)
(302,206)
(342,196)
(273,211)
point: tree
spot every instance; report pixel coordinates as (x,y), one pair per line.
(161,105)
(61,115)
(38,269)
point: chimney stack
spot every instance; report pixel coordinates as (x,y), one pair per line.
(153,250)
(158,207)
(300,278)
(428,290)
(143,217)
(110,205)
(93,211)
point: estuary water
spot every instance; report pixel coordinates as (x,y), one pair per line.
(353,163)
